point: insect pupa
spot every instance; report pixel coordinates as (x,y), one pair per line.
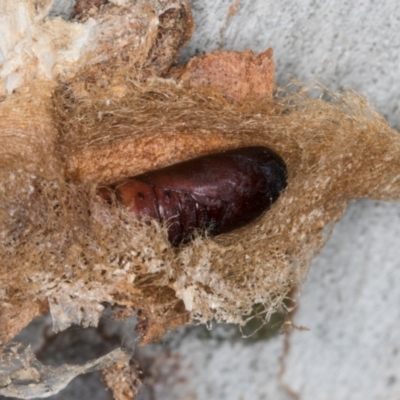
(215,192)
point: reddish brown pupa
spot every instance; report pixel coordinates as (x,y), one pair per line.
(216,192)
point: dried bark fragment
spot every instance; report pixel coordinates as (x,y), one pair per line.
(123,380)
(82,7)
(175,29)
(238,75)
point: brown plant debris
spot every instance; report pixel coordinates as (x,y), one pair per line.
(239,76)
(116,113)
(84,6)
(123,379)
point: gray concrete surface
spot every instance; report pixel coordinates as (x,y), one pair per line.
(339,43)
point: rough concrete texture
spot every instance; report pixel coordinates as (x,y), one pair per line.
(339,43)
(350,301)
(350,306)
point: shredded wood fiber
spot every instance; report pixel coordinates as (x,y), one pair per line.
(62,250)
(59,240)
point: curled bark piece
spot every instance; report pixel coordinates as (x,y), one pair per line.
(218,192)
